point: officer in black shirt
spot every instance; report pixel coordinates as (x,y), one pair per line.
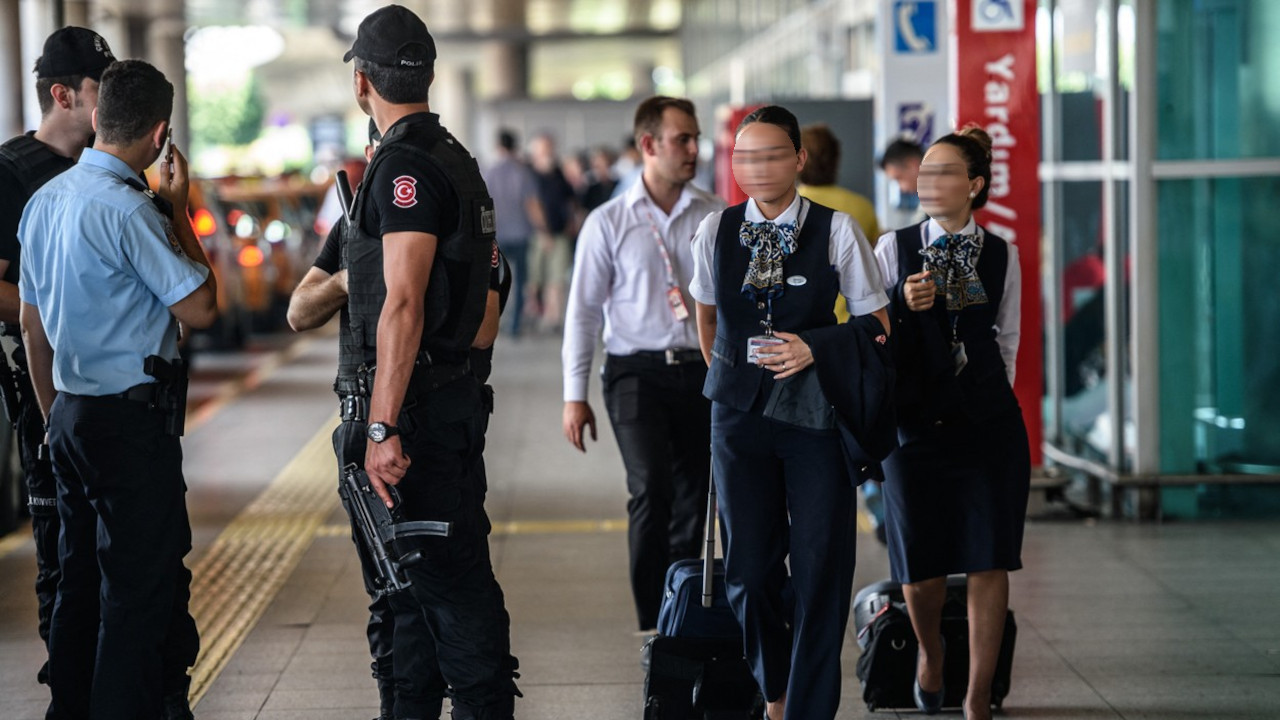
(67,75)
(419,257)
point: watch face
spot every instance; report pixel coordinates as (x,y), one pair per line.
(377,432)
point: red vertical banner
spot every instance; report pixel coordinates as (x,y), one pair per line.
(993,84)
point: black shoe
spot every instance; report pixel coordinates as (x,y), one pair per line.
(929,703)
(176,707)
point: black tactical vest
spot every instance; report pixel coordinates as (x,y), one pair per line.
(32,163)
(731,379)
(459,282)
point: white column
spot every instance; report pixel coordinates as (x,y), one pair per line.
(166,49)
(1143,234)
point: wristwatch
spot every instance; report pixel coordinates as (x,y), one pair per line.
(379,432)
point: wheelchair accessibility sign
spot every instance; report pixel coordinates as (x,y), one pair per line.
(998,15)
(915,25)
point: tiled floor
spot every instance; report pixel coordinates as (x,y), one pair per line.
(1115,620)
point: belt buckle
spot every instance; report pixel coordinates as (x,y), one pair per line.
(671,356)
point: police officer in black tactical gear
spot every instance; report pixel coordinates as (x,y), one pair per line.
(419,255)
(417,684)
(67,75)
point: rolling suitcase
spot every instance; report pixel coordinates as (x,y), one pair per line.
(694,666)
(887,667)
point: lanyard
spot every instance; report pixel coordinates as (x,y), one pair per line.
(662,249)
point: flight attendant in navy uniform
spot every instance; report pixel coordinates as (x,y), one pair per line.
(765,272)
(956,488)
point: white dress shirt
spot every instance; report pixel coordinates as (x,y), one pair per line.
(848,252)
(1009,315)
(620,280)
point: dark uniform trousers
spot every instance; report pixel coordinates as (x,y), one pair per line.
(404,657)
(121,631)
(662,424)
(781,489)
(442,432)
(42,496)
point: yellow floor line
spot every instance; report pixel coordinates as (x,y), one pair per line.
(245,567)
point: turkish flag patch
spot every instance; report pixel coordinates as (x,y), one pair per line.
(494,259)
(405,193)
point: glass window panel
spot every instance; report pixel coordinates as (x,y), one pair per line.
(1080,28)
(1217,63)
(1219,325)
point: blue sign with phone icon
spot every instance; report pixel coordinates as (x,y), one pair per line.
(915,25)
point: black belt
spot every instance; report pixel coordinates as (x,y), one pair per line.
(144,393)
(673,356)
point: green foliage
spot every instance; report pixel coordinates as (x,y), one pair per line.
(227,116)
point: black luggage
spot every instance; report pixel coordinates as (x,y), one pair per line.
(887,667)
(695,669)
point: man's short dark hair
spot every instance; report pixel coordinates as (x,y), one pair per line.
(900,151)
(398,85)
(824,155)
(508,140)
(132,98)
(649,114)
(44,90)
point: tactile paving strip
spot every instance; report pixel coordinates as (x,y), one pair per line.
(245,567)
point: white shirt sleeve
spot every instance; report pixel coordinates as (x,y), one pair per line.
(853,259)
(1009,316)
(703,286)
(887,259)
(584,317)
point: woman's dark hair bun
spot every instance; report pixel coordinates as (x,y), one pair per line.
(975,132)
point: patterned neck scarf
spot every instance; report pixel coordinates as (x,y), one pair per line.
(953,262)
(769,244)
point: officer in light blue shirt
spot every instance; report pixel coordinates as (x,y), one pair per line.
(107,274)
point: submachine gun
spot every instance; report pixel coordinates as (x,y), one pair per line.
(376,529)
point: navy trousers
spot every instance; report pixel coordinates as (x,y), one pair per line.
(120,624)
(783,490)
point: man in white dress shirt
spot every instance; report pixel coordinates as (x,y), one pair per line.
(630,278)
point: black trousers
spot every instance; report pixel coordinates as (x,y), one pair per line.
(662,423)
(42,498)
(403,650)
(120,631)
(442,432)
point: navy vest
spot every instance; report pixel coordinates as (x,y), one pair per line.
(731,379)
(981,390)
(459,285)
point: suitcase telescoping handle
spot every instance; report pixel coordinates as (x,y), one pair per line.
(709,557)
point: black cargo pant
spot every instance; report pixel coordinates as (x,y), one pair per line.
(121,632)
(404,653)
(663,426)
(42,497)
(442,432)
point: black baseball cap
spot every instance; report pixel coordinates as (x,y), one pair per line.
(74,51)
(395,37)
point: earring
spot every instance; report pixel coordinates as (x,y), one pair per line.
(973,195)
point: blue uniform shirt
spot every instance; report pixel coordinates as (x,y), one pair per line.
(103,266)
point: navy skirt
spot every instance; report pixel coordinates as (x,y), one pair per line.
(956,498)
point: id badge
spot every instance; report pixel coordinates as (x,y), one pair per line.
(757,343)
(676,301)
(959,356)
